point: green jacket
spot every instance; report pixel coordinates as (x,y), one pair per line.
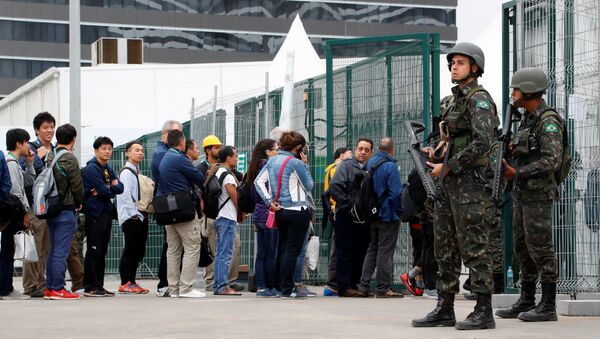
(472,125)
(67,176)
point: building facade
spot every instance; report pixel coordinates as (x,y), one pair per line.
(34,34)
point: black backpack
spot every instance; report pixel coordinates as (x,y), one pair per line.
(245,202)
(367,205)
(212,192)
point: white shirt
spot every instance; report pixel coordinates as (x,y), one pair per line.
(126,208)
(228,211)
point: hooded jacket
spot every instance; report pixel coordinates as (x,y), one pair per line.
(387,186)
(99,177)
(67,177)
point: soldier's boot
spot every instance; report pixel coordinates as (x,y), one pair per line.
(525,303)
(498,283)
(442,314)
(481,317)
(546,308)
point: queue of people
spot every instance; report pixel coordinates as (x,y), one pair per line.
(195,201)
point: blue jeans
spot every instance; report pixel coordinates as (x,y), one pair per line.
(266,240)
(225,230)
(7,261)
(62,227)
(301,260)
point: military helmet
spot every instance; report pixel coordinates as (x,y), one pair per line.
(529,80)
(211,140)
(470,50)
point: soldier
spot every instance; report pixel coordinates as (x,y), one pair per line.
(537,155)
(468,128)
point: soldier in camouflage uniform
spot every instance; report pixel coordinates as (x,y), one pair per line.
(460,223)
(537,156)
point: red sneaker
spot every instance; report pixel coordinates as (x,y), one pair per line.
(139,289)
(47,294)
(63,295)
(408,282)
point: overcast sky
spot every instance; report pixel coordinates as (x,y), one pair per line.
(480,22)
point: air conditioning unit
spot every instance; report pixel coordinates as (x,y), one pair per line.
(117,51)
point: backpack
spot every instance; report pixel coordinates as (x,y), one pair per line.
(367,205)
(28,180)
(245,202)
(145,192)
(46,200)
(566,160)
(212,191)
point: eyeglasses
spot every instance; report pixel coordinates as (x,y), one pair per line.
(274,149)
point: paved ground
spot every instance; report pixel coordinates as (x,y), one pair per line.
(145,316)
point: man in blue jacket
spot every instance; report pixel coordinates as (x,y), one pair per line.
(159,152)
(5,183)
(384,229)
(178,174)
(100,184)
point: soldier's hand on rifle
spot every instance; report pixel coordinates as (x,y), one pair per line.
(429,151)
(437,169)
(509,171)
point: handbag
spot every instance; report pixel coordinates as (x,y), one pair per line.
(206,254)
(25,247)
(271,222)
(174,208)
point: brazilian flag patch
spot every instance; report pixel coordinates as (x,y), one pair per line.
(483,104)
(551,128)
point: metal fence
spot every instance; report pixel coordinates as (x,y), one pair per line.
(368,95)
(563,38)
(393,79)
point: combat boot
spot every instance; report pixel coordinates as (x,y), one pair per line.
(498,283)
(546,309)
(482,317)
(525,303)
(442,315)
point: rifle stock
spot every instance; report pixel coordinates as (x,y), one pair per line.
(415,153)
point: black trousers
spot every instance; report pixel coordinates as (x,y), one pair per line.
(351,244)
(97,231)
(293,226)
(135,232)
(429,265)
(416,236)
(162,265)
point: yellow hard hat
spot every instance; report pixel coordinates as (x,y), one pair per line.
(211,140)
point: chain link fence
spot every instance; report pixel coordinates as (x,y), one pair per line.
(562,37)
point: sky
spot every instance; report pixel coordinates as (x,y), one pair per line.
(480,22)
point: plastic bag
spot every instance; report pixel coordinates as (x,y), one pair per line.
(312,252)
(25,247)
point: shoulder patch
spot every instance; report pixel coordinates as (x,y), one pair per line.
(551,127)
(483,104)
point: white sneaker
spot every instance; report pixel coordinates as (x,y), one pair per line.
(163,292)
(430,294)
(15,295)
(193,294)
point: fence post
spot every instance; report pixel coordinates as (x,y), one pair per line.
(267,117)
(349,123)
(390,94)
(214,113)
(329,89)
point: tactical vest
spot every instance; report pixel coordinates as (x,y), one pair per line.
(459,126)
(523,138)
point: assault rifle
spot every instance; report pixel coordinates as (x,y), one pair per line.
(414,128)
(511,116)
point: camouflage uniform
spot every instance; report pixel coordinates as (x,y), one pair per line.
(534,192)
(460,223)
